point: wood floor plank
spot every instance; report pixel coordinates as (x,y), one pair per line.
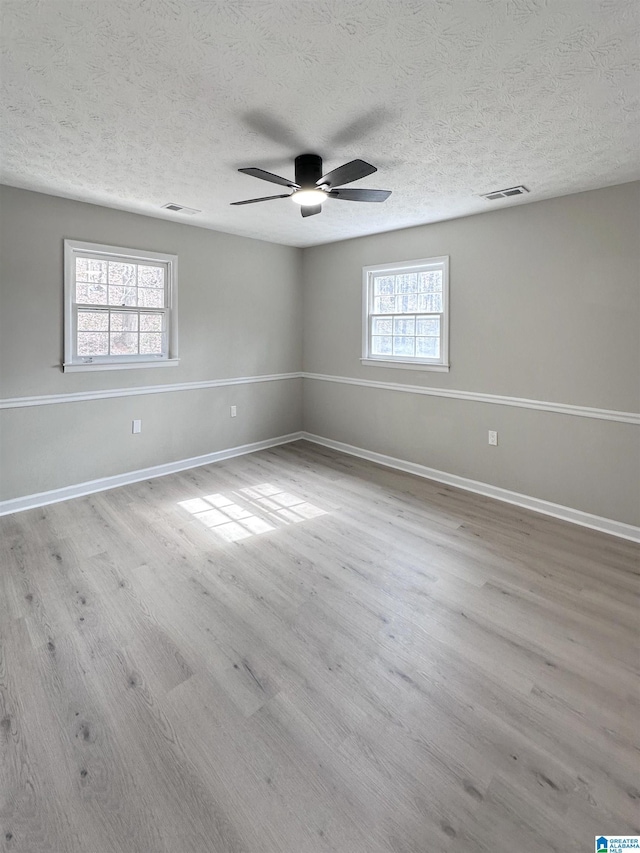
(297,651)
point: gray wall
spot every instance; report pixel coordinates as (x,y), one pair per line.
(239,315)
(545,305)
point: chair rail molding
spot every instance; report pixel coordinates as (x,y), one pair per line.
(450,393)
(478,397)
(139,390)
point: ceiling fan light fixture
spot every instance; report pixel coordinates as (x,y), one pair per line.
(311,187)
(308,197)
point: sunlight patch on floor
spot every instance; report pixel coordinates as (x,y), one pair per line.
(262,508)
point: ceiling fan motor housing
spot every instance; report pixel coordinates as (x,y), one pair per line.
(308,169)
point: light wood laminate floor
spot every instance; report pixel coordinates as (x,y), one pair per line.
(297,652)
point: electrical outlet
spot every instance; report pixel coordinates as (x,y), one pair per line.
(234,411)
(136,427)
(493,438)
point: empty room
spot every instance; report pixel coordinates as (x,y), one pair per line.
(319,426)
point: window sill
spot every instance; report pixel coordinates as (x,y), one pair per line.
(125,365)
(404,365)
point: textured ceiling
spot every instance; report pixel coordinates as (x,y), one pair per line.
(136,103)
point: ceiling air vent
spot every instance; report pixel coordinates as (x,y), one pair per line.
(178,208)
(510,191)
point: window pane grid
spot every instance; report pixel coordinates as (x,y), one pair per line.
(406,316)
(120,282)
(406,335)
(120,307)
(425,281)
(109,332)
(409,303)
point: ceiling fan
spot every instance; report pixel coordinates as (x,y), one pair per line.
(311,187)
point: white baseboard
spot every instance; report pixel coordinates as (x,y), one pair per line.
(576,516)
(104,483)
(565,513)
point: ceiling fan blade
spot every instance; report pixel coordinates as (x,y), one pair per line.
(311,211)
(268,176)
(266,198)
(360,195)
(351,171)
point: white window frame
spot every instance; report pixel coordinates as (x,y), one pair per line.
(396,361)
(74,362)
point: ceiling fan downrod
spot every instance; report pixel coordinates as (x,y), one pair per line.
(308,170)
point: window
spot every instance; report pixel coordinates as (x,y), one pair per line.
(406,314)
(120,307)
